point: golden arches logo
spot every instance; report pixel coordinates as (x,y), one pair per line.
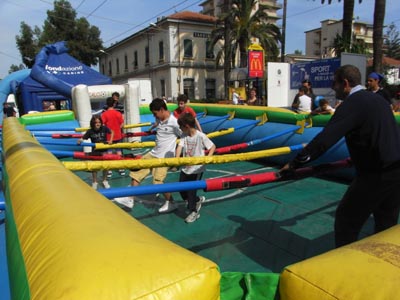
(255,64)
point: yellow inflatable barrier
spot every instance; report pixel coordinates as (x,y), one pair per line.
(88,165)
(367,269)
(67,241)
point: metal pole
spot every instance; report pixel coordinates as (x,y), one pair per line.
(283,31)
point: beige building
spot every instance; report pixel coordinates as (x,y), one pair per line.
(216,7)
(172,53)
(319,41)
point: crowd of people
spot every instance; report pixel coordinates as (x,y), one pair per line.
(306,101)
(252,98)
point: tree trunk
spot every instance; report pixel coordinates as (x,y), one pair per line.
(227,57)
(379,18)
(348,10)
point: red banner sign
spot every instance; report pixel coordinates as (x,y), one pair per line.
(256,64)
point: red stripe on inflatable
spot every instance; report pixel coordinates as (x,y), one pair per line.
(104,156)
(217,184)
(142,133)
(228,149)
(66,135)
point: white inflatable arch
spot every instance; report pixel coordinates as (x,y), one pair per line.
(84,96)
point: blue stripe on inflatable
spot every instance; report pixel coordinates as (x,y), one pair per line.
(4,283)
(296,147)
(215,119)
(62,153)
(153,189)
(64,143)
(251,123)
(52,129)
(272,136)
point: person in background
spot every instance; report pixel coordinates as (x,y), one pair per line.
(117,105)
(373,84)
(51,107)
(323,108)
(98,133)
(184,109)
(167,133)
(192,144)
(235,97)
(253,100)
(8,110)
(114,120)
(396,104)
(373,140)
(307,83)
(302,102)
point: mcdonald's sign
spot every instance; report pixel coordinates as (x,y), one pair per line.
(256,64)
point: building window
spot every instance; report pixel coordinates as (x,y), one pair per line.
(109,68)
(209,50)
(126,63)
(117,62)
(188,48)
(146,55)
(188,87)
(163,92)
(135,60)
(210,88)
(161,51)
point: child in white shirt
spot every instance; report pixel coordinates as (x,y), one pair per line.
(193,143)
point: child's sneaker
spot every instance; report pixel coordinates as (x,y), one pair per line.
(106,184)
(94,185)
(125,201)
(121,172)
(198,203)
(167,207)
(109,174)
(193,216)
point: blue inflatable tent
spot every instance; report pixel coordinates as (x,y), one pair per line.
(52,77)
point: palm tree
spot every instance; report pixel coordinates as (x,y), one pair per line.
(379,17)
(248,24)
(237,27)
(348,11)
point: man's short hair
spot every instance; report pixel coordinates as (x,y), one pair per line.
(110,102)
(187,119)
(322,102)
(349,72)
(182,97)
(158,104)
(303,89)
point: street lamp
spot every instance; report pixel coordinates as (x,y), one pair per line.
(104,52)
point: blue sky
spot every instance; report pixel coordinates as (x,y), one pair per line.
(118,19)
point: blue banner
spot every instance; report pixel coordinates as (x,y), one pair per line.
(319,72)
